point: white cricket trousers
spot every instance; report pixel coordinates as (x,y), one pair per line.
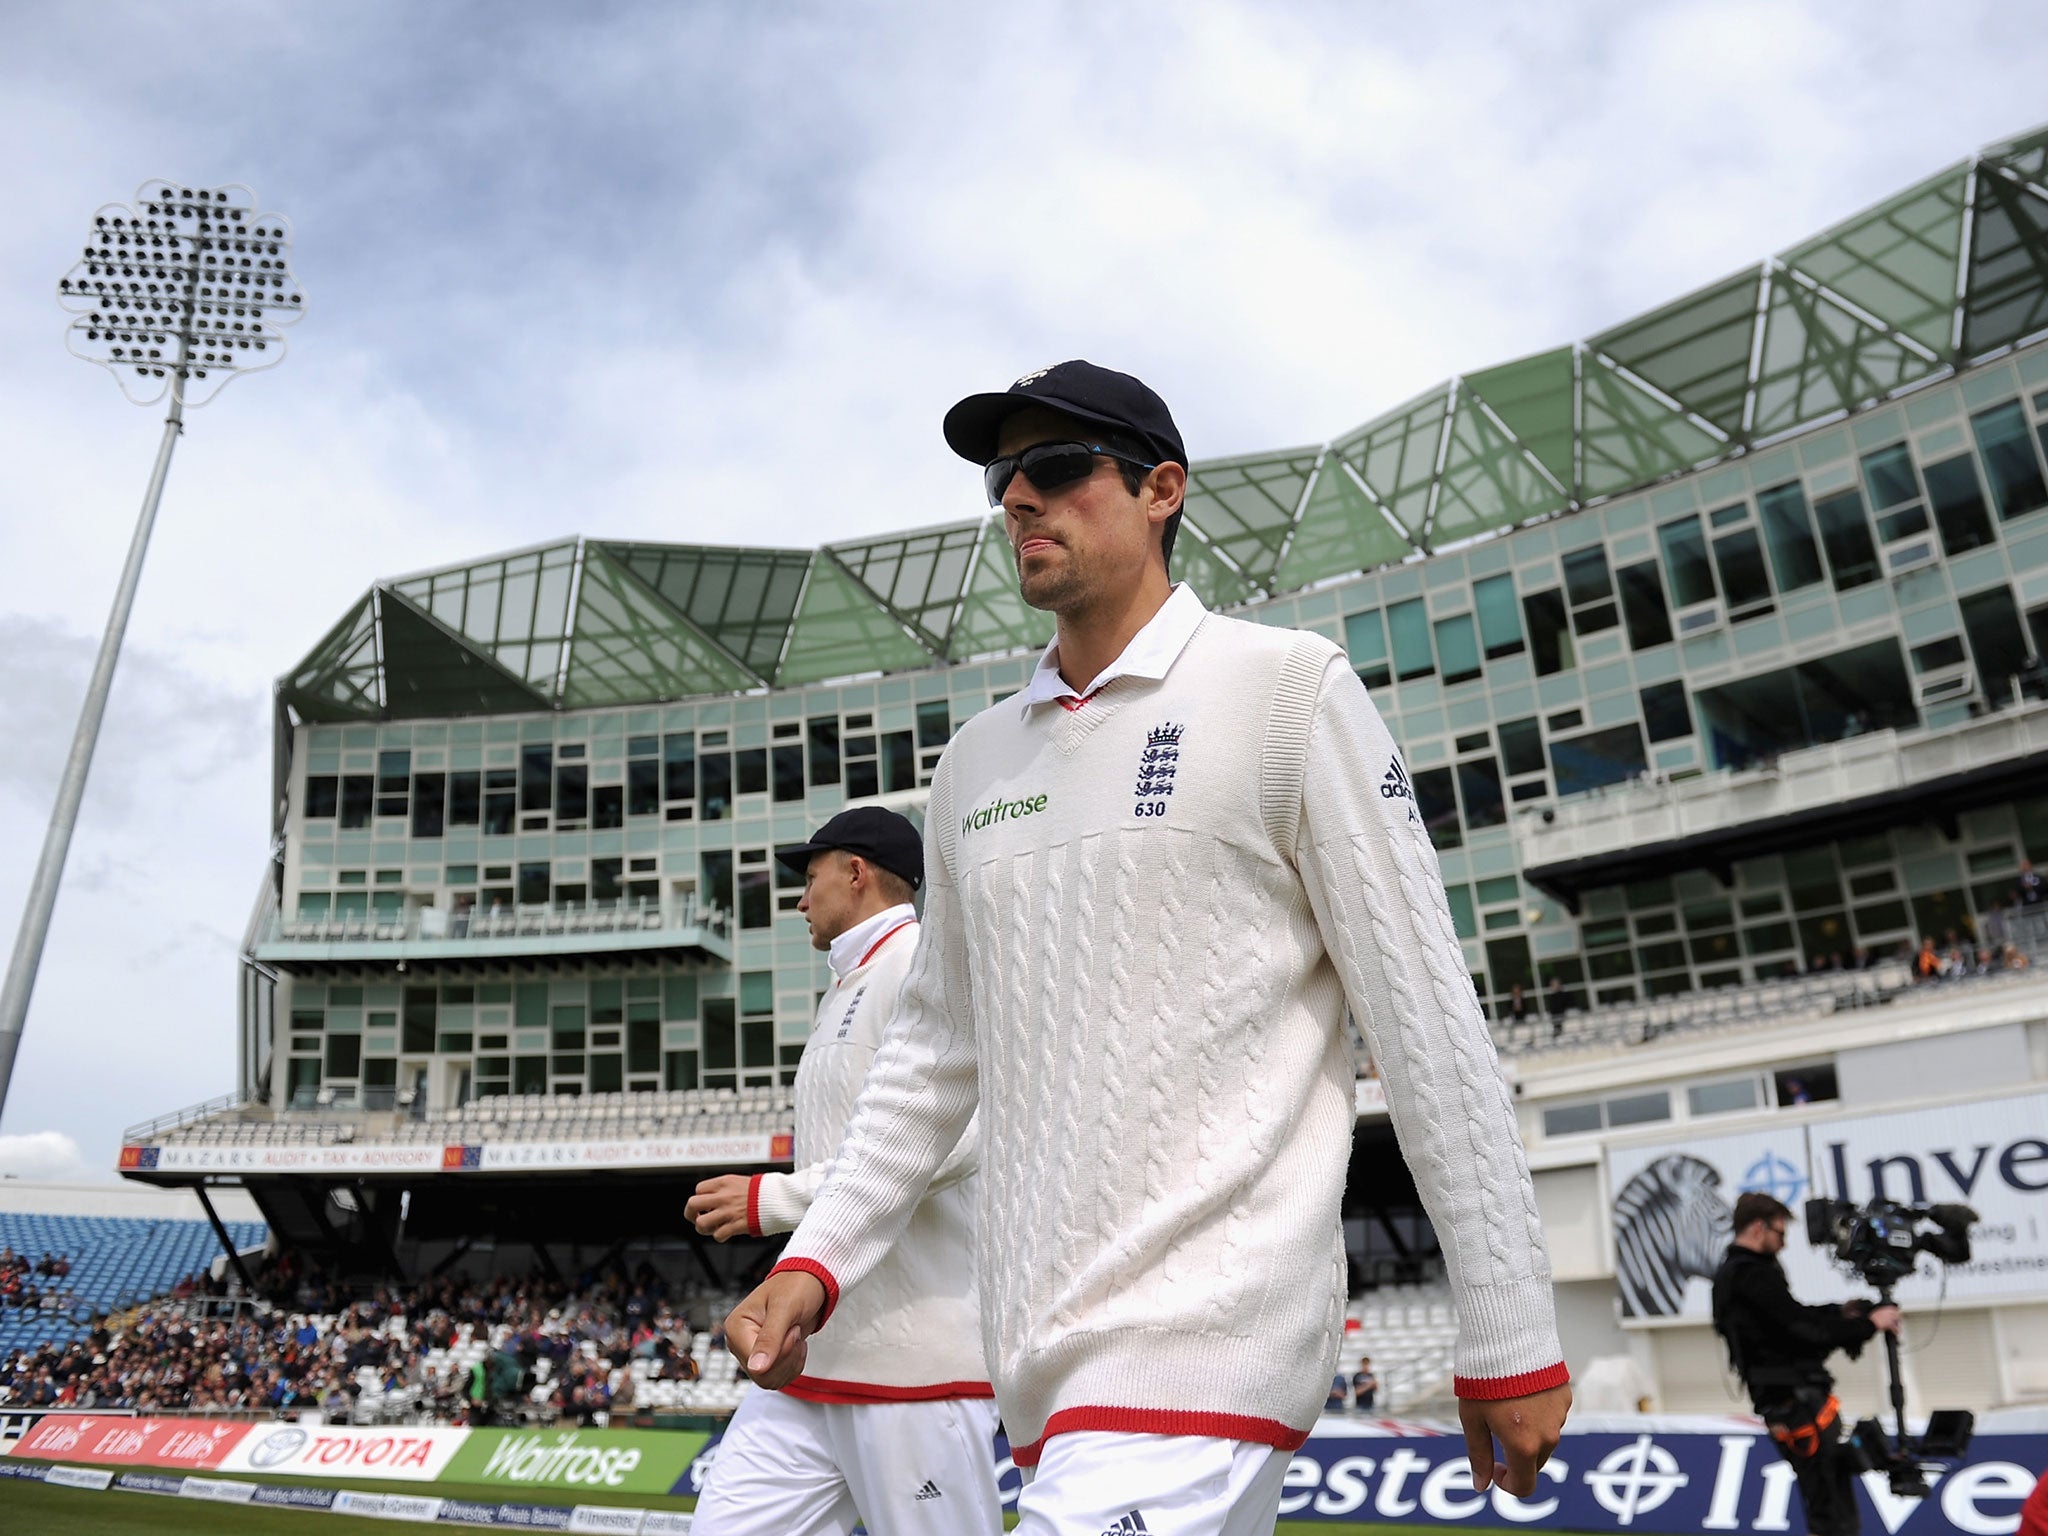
(1092,1483)
(787,1467)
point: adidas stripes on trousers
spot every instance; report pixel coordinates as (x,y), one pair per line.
(787,1467)
(1102,1484)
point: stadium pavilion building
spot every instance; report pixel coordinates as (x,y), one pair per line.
(1711,642)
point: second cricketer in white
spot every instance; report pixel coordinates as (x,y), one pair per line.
(894,1418)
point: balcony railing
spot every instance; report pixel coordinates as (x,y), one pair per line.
(477,933)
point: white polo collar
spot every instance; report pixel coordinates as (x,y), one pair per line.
(1151,654)
(853,948)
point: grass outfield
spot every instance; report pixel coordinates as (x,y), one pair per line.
(36,1509)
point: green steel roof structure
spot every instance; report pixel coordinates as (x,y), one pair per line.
(1934,279)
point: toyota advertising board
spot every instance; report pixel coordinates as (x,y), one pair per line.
(416,1455)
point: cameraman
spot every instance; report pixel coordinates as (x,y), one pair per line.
(1778,1345)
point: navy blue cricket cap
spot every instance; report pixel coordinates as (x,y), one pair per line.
(884,838)
(1100,396)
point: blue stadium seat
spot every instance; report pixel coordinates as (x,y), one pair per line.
(116,1261)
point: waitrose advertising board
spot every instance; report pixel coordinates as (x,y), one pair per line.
(575,1460)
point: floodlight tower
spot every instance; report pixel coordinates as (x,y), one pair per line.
(175,294)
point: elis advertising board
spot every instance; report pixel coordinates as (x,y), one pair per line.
(193,1444)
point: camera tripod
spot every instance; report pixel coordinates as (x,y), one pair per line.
(1948,1429)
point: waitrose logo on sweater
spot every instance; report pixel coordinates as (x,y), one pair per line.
(1000,809)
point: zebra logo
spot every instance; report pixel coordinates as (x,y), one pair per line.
(1670,1223)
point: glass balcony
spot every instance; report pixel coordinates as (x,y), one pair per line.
(428,934)
(1871,782)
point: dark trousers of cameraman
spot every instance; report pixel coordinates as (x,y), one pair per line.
(1827,1482)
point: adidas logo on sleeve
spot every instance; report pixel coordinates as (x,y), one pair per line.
(1132,1524)
(930,1490)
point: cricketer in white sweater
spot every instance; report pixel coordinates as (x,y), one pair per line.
(1148,912)
(910,1331)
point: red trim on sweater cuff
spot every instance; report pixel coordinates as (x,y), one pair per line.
(1493,1388)
(754,1206)
(822,1389)
(1162,1421)
(817,1272)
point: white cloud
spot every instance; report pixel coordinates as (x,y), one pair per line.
(44,1155)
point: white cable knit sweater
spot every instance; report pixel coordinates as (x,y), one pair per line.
(1148,914)
(910,1330)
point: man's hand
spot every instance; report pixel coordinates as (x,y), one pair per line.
(719,1207)
(1527,1428)
(766,1332)
(1885,1319)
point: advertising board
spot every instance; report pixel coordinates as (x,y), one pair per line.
(190,1444)
(1671,1200)
(416,1454)
(624,1461)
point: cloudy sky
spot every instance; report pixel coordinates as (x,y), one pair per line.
(711,272)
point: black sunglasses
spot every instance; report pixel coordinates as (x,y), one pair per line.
(1049,466)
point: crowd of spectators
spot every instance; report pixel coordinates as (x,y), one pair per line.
(320,1345)
(34,1285)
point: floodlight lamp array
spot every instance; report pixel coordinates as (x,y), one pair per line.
(186,287)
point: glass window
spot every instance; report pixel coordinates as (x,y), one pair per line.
(1788,533)
(536,777)
(608,806)
(1550,639)
(1642,601)
(1665,711)
(751,769)
(604,879)
(1685,562)
(1462,920)
(714,788)
(1438,805)
(823,735)
(500,800)
(1992,621)
(2009,461)
(1888,476)
(934,724)
(787,761)
(358,793)
(1722,1098)
(1457,647)
(1408,626)
(429,798)
(1639,1108)
(1500,619)
(899,761)
(465,799)
(1598,758)
(572,792)
(1739,557)
(1846,534)
(1365,637)
(1479,787)
(1959,509)
(1571,1119)
(1521,746)
(323,796)
(679,765)
(643,786)
(344,1055)
(717,889)
(533,883)
(1586,579)
(757,904)
(862,779)
(394,769)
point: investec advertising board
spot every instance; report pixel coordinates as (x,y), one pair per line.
(1671,1201)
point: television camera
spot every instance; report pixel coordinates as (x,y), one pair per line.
(1882,1241)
